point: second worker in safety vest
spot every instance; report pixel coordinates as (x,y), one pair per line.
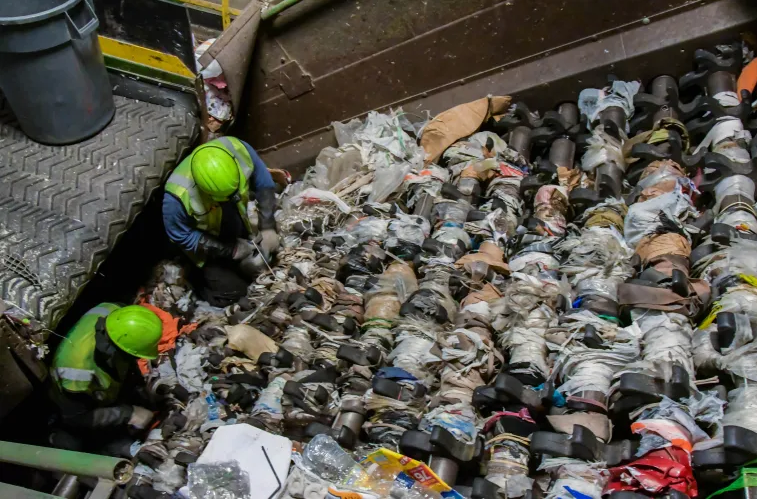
(205,213)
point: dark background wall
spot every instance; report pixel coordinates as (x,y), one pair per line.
(331,60)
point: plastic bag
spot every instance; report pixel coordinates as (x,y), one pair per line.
(742,408)
(408,228)
(452,211)
(602,149)
(645,217)
(387,179)
(317,196)
(345,132)
(189,371)
(735,185)
(168,477)
(333,165)
(592,101)
(217,481)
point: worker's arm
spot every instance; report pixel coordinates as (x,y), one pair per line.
(264,189)
(181,230)
(102,417)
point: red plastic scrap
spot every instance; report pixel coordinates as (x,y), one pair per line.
(655,472)
(522,414)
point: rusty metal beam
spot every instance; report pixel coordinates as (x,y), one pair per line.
(664,45)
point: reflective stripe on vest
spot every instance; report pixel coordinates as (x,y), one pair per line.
(99,311)
(241,161)
(73,374)
(74,368)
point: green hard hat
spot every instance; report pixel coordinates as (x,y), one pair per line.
(215,171)
(135,330)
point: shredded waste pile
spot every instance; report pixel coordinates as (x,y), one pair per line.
(490,303)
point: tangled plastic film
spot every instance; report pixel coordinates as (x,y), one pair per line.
(555,304)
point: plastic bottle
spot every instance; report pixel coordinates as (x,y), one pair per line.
(324,457)
(213,407)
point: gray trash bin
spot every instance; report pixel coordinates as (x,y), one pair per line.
(52,71)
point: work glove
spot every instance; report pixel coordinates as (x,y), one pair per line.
(266,199)
(140,417)
(242,249)
(269,242)
(211,248)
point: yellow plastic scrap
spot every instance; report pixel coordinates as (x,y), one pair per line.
(408,469)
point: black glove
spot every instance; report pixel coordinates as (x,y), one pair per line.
(211,248)
(266,199)
(102,417)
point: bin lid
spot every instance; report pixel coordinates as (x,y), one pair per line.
(29,11)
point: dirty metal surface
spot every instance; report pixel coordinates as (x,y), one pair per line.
(665,45)
(363,55)
(64,208)
(153,24)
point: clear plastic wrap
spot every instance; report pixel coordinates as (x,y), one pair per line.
(596,286)
(362,231)
(333,165)
(189,371)
(387,180)
(218,481)
(458,419)
(317,196)
(168,477)
(412,352)
(592,101)
(574,478)
(587,369)
(527,347)
(297,340)
(345,132)
(324,457)
(602,149)
(452,211)
(645,217)
(408,228)
(269,402)
(596,253)
(738,218)
(533,262)
(735,185)
(473,147)
(467,185)
(667,337)
(722,136)
(659,172)
(451,234)
(704,355)
(742,408)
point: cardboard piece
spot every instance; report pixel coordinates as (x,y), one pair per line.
(233,51)
(250,341)
(460,121)
(488,253)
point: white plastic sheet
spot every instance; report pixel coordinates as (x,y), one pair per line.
(245,444)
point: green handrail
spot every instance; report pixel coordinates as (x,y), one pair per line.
(66,461)
(278,8)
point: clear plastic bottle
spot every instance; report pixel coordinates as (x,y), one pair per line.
(213,407)
(324,457)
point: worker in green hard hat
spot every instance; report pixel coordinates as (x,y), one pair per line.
(91,365)
(205,214)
